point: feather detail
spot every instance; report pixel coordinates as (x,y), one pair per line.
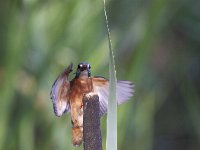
(59,92)
(124,91)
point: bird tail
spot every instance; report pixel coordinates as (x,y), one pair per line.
(77,136)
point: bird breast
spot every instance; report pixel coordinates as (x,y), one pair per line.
(79,87)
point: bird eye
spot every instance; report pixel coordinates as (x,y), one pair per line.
(80,65)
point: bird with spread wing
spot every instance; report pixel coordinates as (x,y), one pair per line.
(67,95)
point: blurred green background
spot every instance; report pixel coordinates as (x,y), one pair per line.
(156,45)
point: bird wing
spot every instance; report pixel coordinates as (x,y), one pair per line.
(124,90)
(59,92)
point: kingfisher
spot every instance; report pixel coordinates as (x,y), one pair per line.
(67,95)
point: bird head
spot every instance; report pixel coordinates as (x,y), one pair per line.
(83,70)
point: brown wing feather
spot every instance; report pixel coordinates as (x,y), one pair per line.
(101,88)
(59,92)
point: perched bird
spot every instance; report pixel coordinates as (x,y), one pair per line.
(67,95)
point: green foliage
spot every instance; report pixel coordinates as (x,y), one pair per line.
(156,46)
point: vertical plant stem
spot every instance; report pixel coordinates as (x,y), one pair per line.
(111,141)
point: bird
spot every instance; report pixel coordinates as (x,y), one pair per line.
(67,95)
